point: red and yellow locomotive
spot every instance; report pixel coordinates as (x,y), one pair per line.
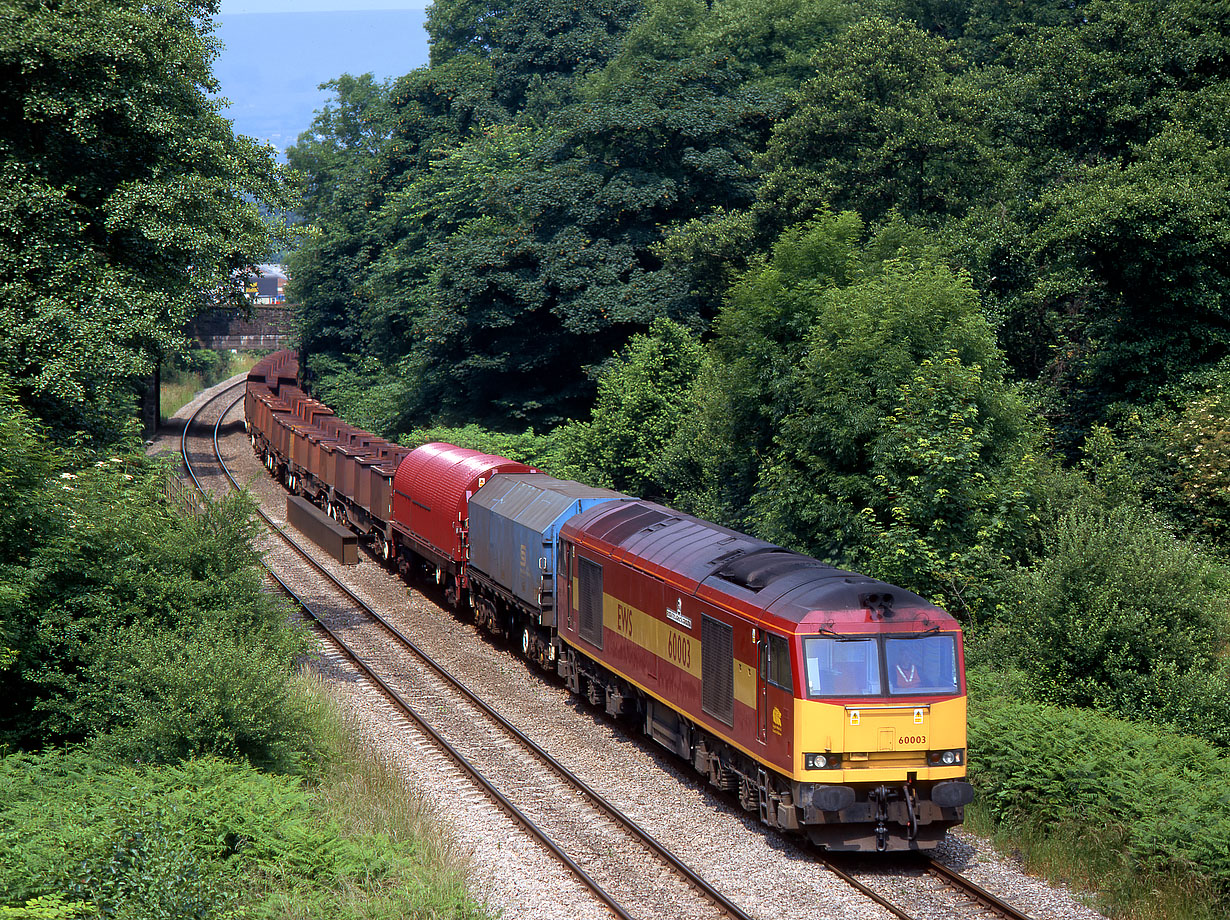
(830,703)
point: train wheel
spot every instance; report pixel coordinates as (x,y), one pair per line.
(452,593)
(525,642)
(383,548)
(749,795)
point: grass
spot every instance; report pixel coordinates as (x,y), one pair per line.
(362,793)
(201,370)
(207,839)
(1093,865)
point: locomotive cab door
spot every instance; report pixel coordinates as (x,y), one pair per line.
(564,586)
(762,689)
(774,692)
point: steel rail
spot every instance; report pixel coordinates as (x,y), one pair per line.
(400,702)
(863,889)
(974,891)
(596,798)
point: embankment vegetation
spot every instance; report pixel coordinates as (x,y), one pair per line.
(160,753)
(932,290)
(197,369)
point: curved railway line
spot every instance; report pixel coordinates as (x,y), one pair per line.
(548,804)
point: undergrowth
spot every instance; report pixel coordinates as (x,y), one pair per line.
(84,835)
(1135,812)
(198,371)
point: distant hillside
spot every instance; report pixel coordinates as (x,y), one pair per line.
(272,62)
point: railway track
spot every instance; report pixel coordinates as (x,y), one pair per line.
(978,902)
(546,808)
(529,795)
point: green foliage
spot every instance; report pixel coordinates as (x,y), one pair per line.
(202,839)
(875,423)
(642,400)
(1135,255)
(536,450)
(887,122)
(1119,614)
(1071,154)
(536,48)
(52,907)
(368,394)
(1199,445)
(1161,794)
(500,237)
(127,204)
(135,627)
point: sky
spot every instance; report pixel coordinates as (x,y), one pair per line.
(277,52)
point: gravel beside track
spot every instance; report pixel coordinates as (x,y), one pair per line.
(769,875)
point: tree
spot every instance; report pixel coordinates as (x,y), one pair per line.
(857,409)
(536,48)
(339,162)
(642,400)
(127,204)
(1117,611)
(508,235)
(1133,260)
(888,122)
(522,258)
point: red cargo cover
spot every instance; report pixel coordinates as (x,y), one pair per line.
(432,489)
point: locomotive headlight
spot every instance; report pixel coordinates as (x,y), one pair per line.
(947,758)
(821,761)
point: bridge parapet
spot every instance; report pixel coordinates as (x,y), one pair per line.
(270,328)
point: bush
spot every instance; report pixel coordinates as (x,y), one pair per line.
(144,630)
(202,839)
(1044,767)
(1119,614)
(370,395)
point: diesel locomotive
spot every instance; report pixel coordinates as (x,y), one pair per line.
(830,704)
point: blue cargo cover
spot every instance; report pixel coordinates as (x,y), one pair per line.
(514,532)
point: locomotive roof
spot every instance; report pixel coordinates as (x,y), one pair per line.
(744,573)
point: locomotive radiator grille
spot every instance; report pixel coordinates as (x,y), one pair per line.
(717,663)
(589,576)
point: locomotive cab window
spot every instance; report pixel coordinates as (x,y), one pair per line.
(842,667)
(922,664)
(775,661)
